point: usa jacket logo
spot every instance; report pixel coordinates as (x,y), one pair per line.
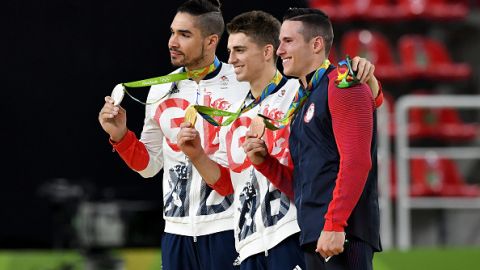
(309,114)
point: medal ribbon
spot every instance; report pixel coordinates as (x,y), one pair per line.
(299,99)
(175,77)
(208,113)
(347,78)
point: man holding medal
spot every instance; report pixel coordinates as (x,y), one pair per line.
(198,221)
(333,147)
(266,229)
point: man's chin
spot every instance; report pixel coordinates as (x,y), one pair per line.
(239,77)
(176,63)
(287,72)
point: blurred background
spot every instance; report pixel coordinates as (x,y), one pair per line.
(69,202)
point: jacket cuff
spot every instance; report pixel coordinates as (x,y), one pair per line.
(330,226)
(124,143)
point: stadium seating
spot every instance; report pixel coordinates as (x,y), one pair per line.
(424,57)
(443,124)
(435,176)
(433,9)
(375,47)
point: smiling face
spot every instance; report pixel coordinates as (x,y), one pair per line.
(186,44)
(248,58)
(296,53)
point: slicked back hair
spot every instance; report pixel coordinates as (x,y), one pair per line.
(315,23)
(208,15)
(261,27)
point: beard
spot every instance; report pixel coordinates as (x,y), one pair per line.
(186,61)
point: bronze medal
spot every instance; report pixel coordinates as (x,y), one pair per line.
(257,126)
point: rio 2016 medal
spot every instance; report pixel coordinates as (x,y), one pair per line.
(191,115)
(117,94)
(257,126)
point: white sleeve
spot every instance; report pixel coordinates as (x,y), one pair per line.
(152,137)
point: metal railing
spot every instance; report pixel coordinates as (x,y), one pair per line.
(383,155)
(404,153)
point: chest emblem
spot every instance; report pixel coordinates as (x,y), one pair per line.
(224,82)
(309,114)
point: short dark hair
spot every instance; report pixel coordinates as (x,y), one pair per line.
(208,13)
(315,23)
(260,26)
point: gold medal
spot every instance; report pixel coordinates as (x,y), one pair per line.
(257,126)
(191,115)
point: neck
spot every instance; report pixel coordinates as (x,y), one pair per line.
(262,81)
(205,62)
(315,64)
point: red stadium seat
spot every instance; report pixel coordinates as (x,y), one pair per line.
(443,124)
(378,10)
(454,184)
(412,9)
(375,47)
(392,10)
(434,176)
(427,58)
(439,177)
(427,177)
(447,9)
(433,9)
(452,128)
(338,11)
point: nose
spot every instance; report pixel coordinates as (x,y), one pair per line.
(280,50)
(172,41)
(231,58)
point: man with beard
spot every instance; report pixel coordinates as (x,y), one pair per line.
(198,221)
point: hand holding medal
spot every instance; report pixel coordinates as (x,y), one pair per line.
(257,126)
(191,115)
(117,94)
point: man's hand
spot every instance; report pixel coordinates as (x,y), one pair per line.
(255,148)
(330,243)
(365,73)
(188,139)
(113,120)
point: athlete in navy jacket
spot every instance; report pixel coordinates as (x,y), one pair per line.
(333,147)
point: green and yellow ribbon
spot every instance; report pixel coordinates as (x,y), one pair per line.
(175,77)
(300,97)
(208,113)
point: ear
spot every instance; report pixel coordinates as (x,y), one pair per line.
(318,44)
(268,52)
(212,41)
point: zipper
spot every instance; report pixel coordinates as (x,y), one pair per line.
(261,229)
(193,187)
(300,159)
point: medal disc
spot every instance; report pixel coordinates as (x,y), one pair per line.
(117,94)
(257,126)
(191,115)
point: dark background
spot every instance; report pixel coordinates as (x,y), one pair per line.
(59,59)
